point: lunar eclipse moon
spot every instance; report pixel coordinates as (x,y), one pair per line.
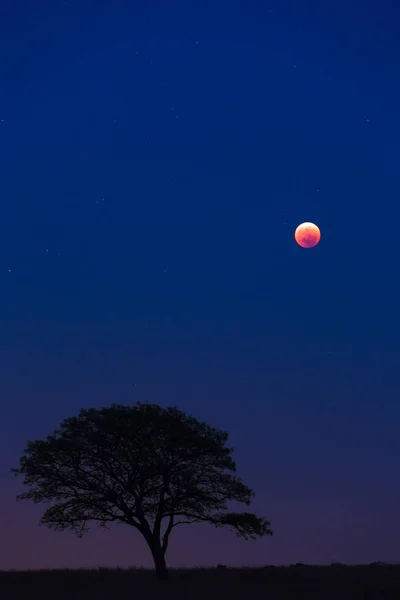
(307,235)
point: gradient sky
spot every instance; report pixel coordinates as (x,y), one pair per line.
(155,161)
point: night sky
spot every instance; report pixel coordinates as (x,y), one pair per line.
(156,158)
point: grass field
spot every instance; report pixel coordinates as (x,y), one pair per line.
(371,582)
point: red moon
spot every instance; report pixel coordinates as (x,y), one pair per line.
(307,235)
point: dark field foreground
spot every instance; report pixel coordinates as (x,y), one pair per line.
(371,582)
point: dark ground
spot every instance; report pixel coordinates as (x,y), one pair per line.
(370,582)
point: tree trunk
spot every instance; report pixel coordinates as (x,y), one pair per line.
(159,562)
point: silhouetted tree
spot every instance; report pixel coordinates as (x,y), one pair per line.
(150,467)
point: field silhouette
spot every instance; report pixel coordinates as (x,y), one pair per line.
(145,465)
(336,582)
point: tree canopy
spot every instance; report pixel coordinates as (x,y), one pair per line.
(149,467)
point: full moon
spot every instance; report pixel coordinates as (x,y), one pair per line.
(307,235)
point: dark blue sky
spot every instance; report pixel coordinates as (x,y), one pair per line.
(155,161)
